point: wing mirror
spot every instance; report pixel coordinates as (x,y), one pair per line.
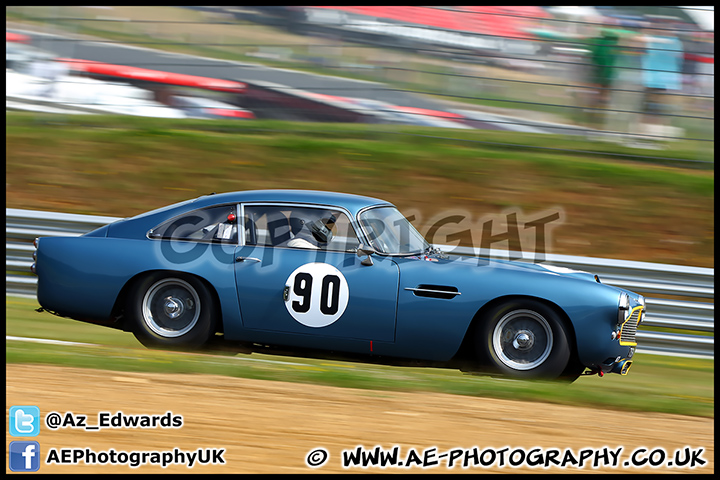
(365,250)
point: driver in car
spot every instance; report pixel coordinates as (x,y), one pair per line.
(309,233)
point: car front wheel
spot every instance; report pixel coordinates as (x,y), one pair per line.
(171,311)
(523,339)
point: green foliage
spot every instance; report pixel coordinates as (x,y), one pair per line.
(617,206)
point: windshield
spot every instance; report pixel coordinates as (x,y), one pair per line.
(391,233)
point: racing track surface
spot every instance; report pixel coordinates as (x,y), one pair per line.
(270,427)
(120,54)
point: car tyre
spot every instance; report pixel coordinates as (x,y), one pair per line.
(523,339)
(172,311)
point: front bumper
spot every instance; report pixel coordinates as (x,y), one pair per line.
(624,343)
(618,364)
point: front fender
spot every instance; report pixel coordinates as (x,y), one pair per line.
(440,325)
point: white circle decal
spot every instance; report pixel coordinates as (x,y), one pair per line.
(317,294)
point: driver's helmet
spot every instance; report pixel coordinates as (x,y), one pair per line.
(312,222)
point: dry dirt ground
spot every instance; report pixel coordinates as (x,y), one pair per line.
(266,427)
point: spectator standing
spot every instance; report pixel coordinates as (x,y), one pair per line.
(603,55)
(662,64)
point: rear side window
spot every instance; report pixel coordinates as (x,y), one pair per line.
(212,225)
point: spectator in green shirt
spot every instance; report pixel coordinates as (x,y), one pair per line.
(604,51)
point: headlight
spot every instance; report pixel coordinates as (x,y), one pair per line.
(623,308)
(641,299)
(624,303)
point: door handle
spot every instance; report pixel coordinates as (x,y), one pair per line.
(245,259)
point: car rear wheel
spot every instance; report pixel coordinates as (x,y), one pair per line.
(171,311)
(523,339)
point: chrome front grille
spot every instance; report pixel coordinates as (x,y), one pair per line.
(629,327)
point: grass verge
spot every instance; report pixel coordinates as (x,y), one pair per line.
(683,386)
(613,206)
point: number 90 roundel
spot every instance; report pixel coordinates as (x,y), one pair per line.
(317,294)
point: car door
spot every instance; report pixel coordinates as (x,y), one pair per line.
(297,272)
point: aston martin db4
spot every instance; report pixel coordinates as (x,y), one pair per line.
(320,273)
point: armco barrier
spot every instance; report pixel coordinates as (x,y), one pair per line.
(680,299)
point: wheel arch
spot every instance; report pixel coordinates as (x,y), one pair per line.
(467,347)
(121,300)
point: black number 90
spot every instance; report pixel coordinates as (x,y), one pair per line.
(329,293)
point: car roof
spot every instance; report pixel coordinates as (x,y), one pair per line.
(353,203)
(139,225)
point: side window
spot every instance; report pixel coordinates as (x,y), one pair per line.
(214,224)
(299,227)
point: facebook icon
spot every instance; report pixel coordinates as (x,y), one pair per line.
(24,456)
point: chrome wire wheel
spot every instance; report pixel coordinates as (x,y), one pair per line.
(171,308)
(522,340)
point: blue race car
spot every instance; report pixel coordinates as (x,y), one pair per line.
(318,273)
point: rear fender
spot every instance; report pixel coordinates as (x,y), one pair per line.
(87,278)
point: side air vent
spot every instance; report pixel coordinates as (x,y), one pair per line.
(434,291)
